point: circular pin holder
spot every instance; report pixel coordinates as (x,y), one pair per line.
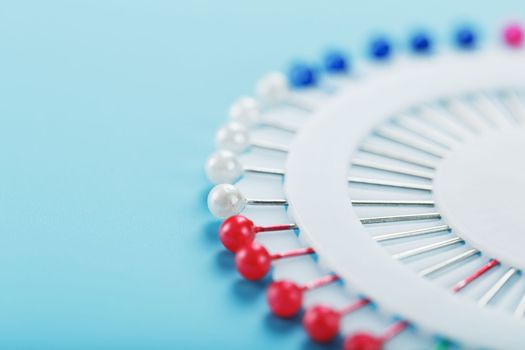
(386,196)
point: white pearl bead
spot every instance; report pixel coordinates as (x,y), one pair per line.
(223,167)
(245,111)
(272,88)
(226,200)
(232,137)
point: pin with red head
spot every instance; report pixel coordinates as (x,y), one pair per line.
(363,341)
(368,341)
(238,231)
(322,322)
(285,298)
(253,260)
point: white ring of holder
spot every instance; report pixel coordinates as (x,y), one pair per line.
(317,191)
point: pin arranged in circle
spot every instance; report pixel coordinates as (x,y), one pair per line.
(226,200)
(513,35)
(238,231)
(223,167)
(302,75)
(253,261)
(245,111)
(335,62)
(380,49)
(322,322)
(285,298)
(465,37)
(233,137)
(421,43)
(362,341)
(273,89)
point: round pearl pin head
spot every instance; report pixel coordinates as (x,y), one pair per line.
(273,88)
(245,111)
(225,200)
(223,167)
(232,137)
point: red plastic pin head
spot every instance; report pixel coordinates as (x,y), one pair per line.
(362,341)
(321,323)
(285,298)
(513,35)
(253,261)
(236,232)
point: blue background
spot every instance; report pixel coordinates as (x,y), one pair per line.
(107,113)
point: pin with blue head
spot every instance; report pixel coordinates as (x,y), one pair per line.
(465,37)
(380,49)
(421,43)
(335,62)
(301,75)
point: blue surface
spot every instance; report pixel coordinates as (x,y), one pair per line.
(108,109)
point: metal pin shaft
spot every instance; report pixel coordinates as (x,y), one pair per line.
(411,233)
(261,170)
(444,264)
(408,142)
(393,203)
(397,218)
(269,146)
(387,183)
(427,248)
(391,169)
(491,293)
(383,152)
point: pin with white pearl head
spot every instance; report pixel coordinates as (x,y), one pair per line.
(223,167)
(226,200)
(246,111)
(235,138)
(273,89)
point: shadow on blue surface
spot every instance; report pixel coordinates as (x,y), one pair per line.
(282,325)
(204,194)
(210,231)
(225,261)
(250,291)
(337,343)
